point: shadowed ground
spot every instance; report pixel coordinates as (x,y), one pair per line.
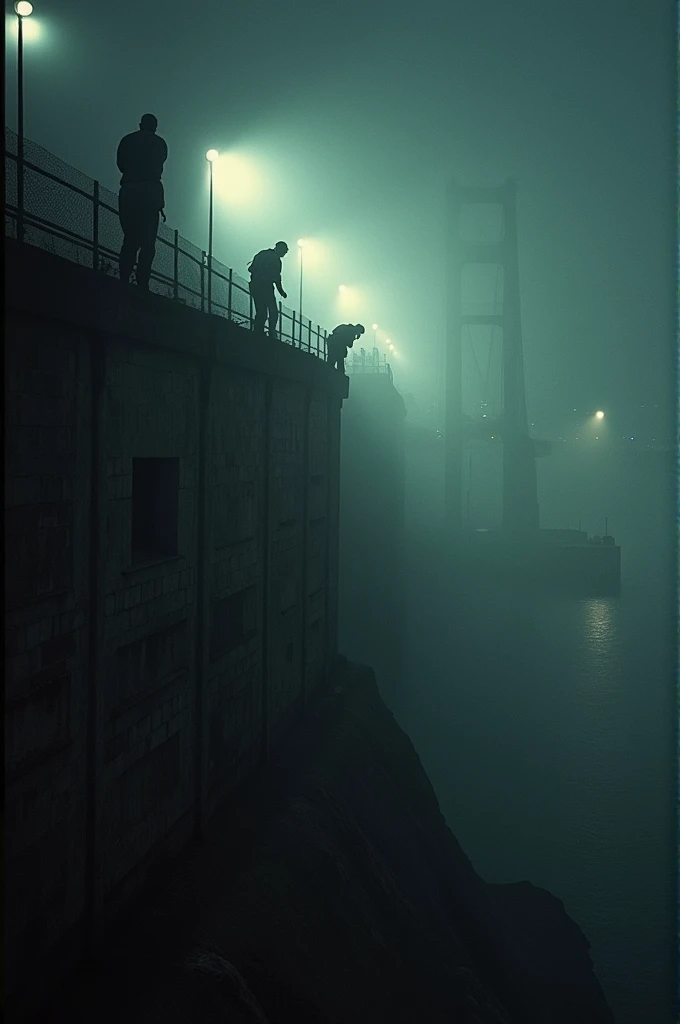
(332,890)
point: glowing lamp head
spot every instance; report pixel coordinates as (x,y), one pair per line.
(23,8)
(375,327)
(388,342)
(211,155)
(301,243)
(342,288)
(599,415)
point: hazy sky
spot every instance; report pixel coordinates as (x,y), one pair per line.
(354,115)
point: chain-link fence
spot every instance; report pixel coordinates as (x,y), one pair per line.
(65,212)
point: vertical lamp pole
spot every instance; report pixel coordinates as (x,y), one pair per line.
(211,156)
(301,245)
(22,9)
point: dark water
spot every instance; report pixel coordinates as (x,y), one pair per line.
(547,725)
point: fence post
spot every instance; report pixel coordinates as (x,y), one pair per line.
(292,331)
(20,188)
(95,225)
(175,268)
(250,297)
(309,336)
(231,281)
(210,283)
(202,281)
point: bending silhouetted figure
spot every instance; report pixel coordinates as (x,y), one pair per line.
(265,273)
(140,160)
(342,338)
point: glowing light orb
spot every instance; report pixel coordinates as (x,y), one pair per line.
(237,179)
(211,155)
(31,27)
(599,415)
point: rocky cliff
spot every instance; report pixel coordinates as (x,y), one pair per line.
(332,891)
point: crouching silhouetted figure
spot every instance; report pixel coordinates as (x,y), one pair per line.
(342,338)
(141,201)
(265,273)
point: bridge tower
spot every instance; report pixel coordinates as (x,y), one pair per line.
(467,252)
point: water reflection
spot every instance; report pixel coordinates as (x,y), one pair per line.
(542,720)
(599,621)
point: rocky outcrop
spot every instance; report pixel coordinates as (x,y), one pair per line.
(554,951)
(332,891)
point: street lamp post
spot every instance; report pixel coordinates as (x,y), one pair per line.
(301,245)
(211,156)
(22,9)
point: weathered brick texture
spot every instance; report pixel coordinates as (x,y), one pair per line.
(112,671)
(46,572)
(286,512)
(151,411)
(235,554)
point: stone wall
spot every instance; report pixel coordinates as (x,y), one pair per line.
(171,576)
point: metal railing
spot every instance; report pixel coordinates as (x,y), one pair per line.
(367,362)
(65,212)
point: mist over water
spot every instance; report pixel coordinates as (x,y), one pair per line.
(546,724)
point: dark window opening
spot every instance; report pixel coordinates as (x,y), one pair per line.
(155,508)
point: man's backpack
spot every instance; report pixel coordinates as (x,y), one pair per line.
(258,262)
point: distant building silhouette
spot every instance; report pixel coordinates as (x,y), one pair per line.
(265,274)
(140,158)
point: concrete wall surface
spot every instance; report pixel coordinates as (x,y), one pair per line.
(372,524)
(171,583)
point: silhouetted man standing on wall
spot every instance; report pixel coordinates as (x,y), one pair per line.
(265,272)
(342,338)
(140,160)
